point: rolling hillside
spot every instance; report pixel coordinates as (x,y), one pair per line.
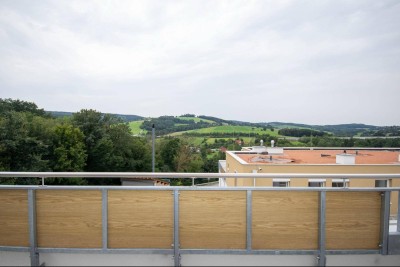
(203,125)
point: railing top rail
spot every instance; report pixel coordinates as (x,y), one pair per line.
(197,175)
(200,188)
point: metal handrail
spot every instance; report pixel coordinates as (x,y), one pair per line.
(197,175)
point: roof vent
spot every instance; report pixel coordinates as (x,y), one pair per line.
(258,149)
(275,150)
(348,159)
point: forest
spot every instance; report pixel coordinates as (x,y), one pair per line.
(33,140)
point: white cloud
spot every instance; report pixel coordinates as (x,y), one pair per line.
(205,57)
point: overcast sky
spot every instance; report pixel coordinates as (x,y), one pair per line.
(315,62)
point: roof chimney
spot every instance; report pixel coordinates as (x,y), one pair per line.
(272,143)
(261,142)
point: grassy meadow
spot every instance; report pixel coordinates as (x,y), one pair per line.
(135,127)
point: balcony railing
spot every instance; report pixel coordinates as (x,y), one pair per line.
(197,220)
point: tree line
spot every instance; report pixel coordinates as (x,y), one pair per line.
(329,141)
(299,132)
(33,140)
(89,141)
(171,124)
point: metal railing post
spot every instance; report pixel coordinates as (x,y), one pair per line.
(176,245)
(398,211)
(321,229)
(385,214)
(34,255)
(104,218)
(249,221)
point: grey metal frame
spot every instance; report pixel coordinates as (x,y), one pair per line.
(104,218)
(249,217)
(385,214)
(321,229)
(34,255)
(176,251)
(176,245)
(398,211)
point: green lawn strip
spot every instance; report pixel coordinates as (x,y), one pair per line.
(135,127)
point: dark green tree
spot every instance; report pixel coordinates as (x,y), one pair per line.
(68,149)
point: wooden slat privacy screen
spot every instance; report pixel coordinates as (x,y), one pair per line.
(69,218)
(285,220)
(353,220)
(212,219)
(14,227)
(140,219)
(281,220)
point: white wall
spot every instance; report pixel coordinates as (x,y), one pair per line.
(77,259)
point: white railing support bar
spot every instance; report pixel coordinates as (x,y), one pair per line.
(197,175)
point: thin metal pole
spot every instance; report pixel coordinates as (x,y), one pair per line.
(385,214)
(153,157)
(104,218)
(34,255)
(177,256)
(322,233)
(249,221)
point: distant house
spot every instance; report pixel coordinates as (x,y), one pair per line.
(144,181)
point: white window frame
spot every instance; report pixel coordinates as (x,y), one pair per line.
(387,182)
(322,182)
(281,182)
(344,182)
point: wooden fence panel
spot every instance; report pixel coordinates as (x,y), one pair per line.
(285,220)
(140,219)
(14,223)
(69,218)
(212,219)
(353,220)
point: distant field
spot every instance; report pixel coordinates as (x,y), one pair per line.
(195,119)
(247,132)
(232,130)
(135,127)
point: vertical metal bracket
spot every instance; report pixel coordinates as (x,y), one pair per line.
(177,256)
(385,214)
(34,255)
(398,211)
(321,229)
(104,218)
(249,221)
